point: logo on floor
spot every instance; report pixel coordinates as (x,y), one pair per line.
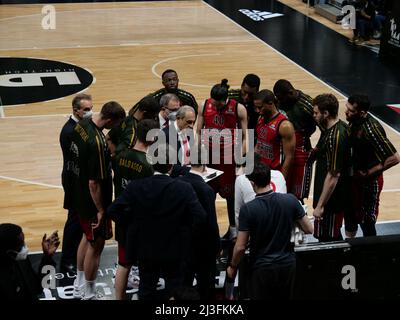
(28,80)
(257,15)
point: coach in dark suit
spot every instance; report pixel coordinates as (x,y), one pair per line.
(179,135)
(162,214)
(81,108)
(18,280)
(206,243)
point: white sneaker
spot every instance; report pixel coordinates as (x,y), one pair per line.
(79,291)
(97,296)
(135,270)
(133,278)
(377,35)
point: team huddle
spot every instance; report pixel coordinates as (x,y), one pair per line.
(164,210)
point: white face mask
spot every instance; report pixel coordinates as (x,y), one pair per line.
(87,114)
(22,254)
(172,116)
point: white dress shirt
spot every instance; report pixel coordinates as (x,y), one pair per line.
(185,147)
(244,191)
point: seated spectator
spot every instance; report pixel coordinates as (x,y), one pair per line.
(18,280)
(365,15)
(381,12)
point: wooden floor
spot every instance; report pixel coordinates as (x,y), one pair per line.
(310,12)
(126,46)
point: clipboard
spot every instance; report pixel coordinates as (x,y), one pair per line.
(210,174)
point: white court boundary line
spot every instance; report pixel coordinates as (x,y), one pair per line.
(2,114)
(288,59)
(38,116)
(96,9)
(391,190)
(47,185)
(128,44)
(387,221)
(43,115)
(310,197)
(31,182)
(153,68)
(60,250)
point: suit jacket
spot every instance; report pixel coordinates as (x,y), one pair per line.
(66,180)
(209,236)
(19,281)
(161,214)
(171,133)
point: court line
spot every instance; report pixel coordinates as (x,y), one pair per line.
(2,114)
(310,197)
(43,115)
(14,105)
(387,221)
(31,182)
(133,44)
(288,59)
(60,250)
(380,120)
(47,185)
(391,190)
(153,68)
(39,116)
(97,9)
(383,191)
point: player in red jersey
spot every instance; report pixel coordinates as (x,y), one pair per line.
(222,117)
(275,135)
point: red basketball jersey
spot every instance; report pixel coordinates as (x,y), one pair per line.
(269,145)
(221,124)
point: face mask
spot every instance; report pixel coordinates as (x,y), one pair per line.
(22,254)
(87,114)
(172,116)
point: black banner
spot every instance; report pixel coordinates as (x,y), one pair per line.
(390,41)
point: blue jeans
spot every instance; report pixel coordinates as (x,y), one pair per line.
(378,22)
(363,28)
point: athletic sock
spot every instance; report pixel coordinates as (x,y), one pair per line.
(80,278)
(90,288)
